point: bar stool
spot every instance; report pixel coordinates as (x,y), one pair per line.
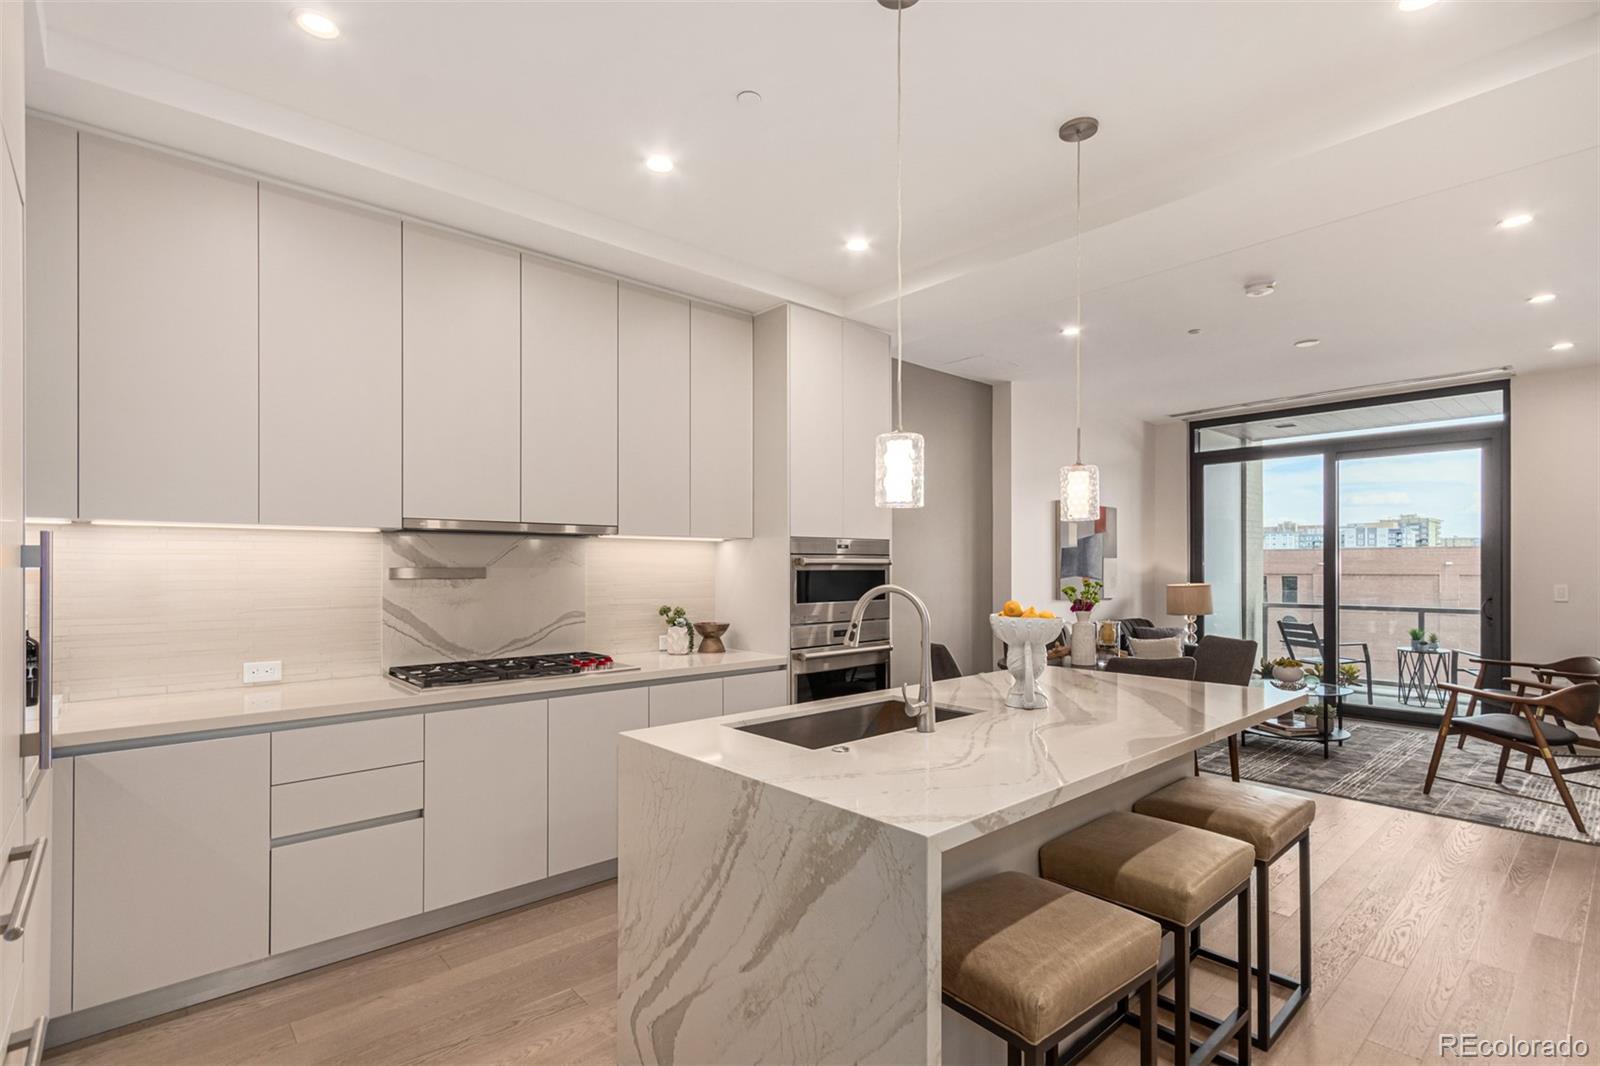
(1271,822)
(1032,962)
(1179,876)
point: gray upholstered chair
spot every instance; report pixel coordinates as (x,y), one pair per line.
(1180,669)
(944,664)
(1224,660)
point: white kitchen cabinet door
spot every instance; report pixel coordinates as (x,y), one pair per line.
(685,701)
(167,337)
(13,54)
(721,429)
(170,864)
(463,364)
(583,773)
(569,395)
(816,426)
(653,414)
(487,787)
(328,886)
(330,363)
(52,257)
(866,401)
(33,998)
(755,692)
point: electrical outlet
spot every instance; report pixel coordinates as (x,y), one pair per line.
(1562,594)
(256,673)
(661,642)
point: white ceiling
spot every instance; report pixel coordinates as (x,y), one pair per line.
(1357,154)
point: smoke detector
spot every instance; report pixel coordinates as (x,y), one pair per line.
(1256,289)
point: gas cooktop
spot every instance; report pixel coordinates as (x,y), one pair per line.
(517,668)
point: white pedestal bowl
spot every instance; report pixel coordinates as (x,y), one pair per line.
(1025,640)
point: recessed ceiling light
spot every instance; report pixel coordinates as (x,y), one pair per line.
(1416,5)
(1071,331)
(1309,342)
(1542,298)
(1195,332)
(658,164)
(857,244)
(1513,221)
(1257,289)
(318,25)
(747,96)
(1561,346)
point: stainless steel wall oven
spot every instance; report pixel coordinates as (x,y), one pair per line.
(828,575)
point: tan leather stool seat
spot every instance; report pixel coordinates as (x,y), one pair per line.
(1265,818)
(1032,955)
(1167,869)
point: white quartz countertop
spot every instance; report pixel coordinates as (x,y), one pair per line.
(98,724)
(976,774)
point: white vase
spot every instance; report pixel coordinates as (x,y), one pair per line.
(677,640)
(1083,640)
(1288,675)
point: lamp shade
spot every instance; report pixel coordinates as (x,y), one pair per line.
(1189,598)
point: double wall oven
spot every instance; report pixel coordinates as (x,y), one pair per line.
(827,577)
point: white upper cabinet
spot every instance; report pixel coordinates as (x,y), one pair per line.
(865,403)
(52,216)
(721,436)
(12,53)
(569,395)
(462,417)
(330,363)
(653,414)
(167,337)
(816,423)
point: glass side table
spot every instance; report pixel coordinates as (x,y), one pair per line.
(1322,722)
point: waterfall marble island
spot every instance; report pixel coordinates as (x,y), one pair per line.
(781,903)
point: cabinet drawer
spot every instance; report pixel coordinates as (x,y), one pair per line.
(325,750)
(684,701)
(755,692)
(325,802)
(339,884)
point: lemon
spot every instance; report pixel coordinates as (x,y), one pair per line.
(1011,609)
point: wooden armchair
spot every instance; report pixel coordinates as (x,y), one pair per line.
(1574,669)
(1533,723)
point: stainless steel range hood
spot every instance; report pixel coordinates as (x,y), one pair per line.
(540,529)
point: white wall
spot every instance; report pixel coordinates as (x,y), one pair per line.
(943,550)
(1555,513)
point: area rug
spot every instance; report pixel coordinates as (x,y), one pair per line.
(1383,763)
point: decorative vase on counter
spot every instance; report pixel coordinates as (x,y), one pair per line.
(711,636)
(1025,640)
(1083,639)
(677,640)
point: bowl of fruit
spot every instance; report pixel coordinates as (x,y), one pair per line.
(1025,632)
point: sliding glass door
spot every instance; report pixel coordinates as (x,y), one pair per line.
(1378,526)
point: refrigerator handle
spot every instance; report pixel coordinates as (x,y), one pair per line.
(47,628)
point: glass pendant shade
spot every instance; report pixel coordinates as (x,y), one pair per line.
(899,473)
(1080,492)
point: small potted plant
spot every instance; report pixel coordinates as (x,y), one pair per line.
(1433,642)
(680,636)
(1349,674)
(1288,671)
(1084,600)
(1419,639)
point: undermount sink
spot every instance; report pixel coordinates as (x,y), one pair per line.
(844,725)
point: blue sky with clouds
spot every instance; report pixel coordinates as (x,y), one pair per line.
(1445,485)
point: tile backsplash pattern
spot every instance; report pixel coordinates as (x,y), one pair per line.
(145,610)
(142,610)
(531,599)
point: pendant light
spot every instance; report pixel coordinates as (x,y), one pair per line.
(1080,482)
(899,476)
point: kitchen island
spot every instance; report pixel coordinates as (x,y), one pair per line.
(779,903)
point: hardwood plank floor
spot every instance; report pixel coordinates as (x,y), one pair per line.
(1422,926)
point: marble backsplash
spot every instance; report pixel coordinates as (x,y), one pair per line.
(142,610)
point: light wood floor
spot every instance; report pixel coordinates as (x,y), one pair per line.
(1422,925)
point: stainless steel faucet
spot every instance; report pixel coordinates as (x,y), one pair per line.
(922,707)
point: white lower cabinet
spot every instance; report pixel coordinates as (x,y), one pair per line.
(487,789)
(755,692)
(33,998)
(169,864)
(684,701)
(583,773)
(333,885)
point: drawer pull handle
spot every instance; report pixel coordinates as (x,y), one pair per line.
(33,1039)
(34,853)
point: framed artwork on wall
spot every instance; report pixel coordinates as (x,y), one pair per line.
(1087,550)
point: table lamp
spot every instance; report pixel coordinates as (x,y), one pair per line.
(1191,599)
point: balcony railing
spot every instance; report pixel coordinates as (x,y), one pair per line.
(1458,635)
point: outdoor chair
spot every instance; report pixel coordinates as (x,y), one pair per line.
(1305,644)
